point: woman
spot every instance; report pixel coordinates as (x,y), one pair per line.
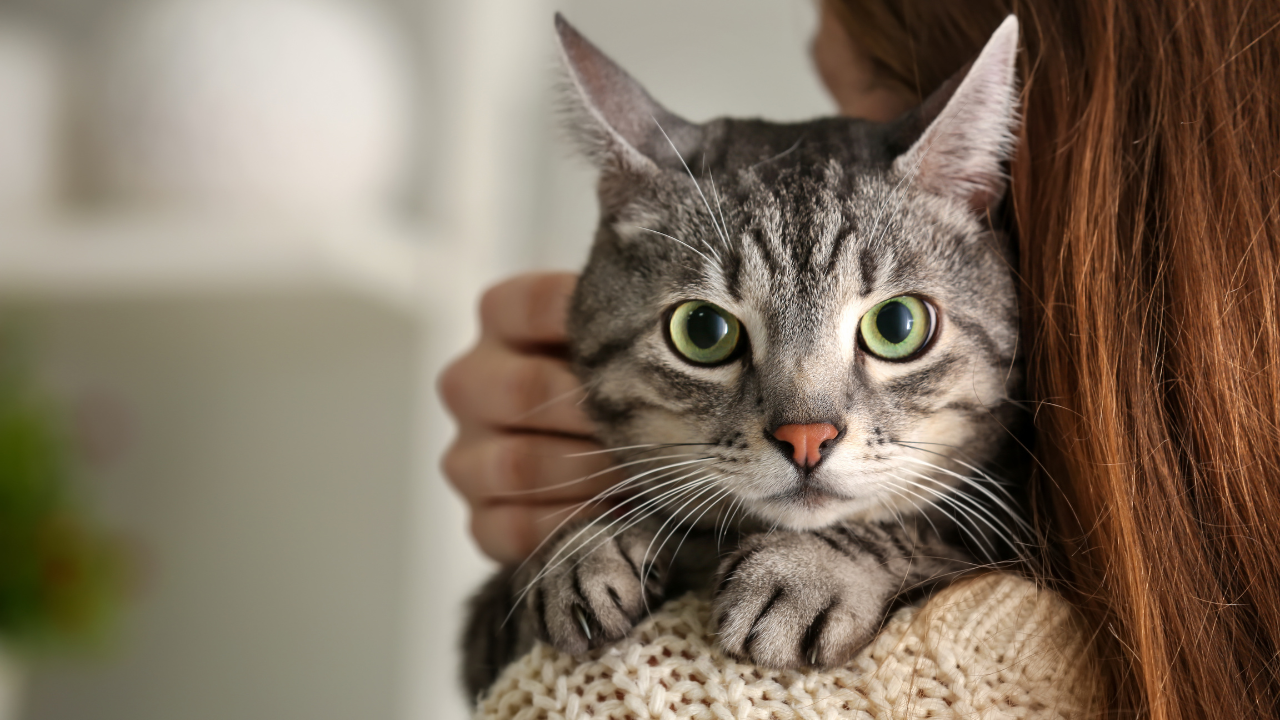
(1144,197)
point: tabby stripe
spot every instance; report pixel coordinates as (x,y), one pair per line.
(766,253)
(634,570)
(863,543)
(834,545)
(979,335)
(867,268)
(809,644)
(922,381)
(755,625)
(845,550)
(899,543)
(837,246)
(733,569)
(606,353)
(585,606)
(733,273)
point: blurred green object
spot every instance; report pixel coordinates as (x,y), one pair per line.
(59,574)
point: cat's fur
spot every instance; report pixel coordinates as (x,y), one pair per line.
(798,230)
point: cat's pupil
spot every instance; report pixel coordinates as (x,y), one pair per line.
(706,327)
(894,322)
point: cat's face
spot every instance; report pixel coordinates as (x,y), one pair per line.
(809,321)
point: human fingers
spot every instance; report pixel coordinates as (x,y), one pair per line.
(498,386)
(528,309)
(511,533)
(497,468)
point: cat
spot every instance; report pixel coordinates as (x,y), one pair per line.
(802,341)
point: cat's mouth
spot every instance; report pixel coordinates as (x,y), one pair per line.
(809,494)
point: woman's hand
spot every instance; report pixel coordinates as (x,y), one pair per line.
(518,459)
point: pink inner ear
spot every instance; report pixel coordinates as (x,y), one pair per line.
(961,154)
(986,191)
(621,111)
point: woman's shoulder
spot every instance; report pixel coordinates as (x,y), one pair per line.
(995,645)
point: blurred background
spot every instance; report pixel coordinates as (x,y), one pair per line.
(238,240)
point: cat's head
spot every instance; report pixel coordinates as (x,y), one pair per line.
(814,319)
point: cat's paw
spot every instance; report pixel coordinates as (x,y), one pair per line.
(790,599)
(593,587)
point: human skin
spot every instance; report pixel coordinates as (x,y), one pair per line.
(525,452)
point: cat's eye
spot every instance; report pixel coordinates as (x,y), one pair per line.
(897,328)
(704,334)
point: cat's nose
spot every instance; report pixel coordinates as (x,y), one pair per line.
(806,441)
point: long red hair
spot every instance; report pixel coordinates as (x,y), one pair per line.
(1144,197)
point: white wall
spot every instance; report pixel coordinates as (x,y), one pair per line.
(262,454)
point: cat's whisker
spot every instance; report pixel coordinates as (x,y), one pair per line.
(715,494)
(609,450)
(592,476)
(626,484)
(780,155)
(894,512)
(920,512)
(1003,506)
(723,237)
(979,540)
(695,488)
(977,509)
(659,500)
(716,497)
(572,542)
(719,206)
(738,503)
(583,388)
(565,551)
(562,555)
(648,446)
(654,505)
(898,516)
(971,508)
(601,496)
(669,237)
(994,480)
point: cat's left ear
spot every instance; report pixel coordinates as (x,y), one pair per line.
(615,118)
(962,152)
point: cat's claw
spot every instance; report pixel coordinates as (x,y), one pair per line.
(788,600)
(589,589)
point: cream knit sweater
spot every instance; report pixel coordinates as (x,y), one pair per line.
(995,646)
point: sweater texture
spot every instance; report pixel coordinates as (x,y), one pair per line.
(990,647)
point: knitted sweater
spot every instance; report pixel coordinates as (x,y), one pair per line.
(994,646)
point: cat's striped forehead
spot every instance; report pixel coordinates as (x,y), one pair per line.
(795,244)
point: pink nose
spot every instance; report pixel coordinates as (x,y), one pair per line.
(806,441)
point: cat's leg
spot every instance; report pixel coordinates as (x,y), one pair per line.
(494,636)
(590,584)
(815,598)
(593,583)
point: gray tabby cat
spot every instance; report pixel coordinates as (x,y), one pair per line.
(802,338)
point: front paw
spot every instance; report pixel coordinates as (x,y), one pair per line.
(593,587)
(787,600)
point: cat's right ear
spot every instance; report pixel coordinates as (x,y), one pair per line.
(612,115)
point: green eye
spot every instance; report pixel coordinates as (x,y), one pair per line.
(897,328)
(703,333)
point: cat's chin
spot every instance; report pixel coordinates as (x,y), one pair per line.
(810,511)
